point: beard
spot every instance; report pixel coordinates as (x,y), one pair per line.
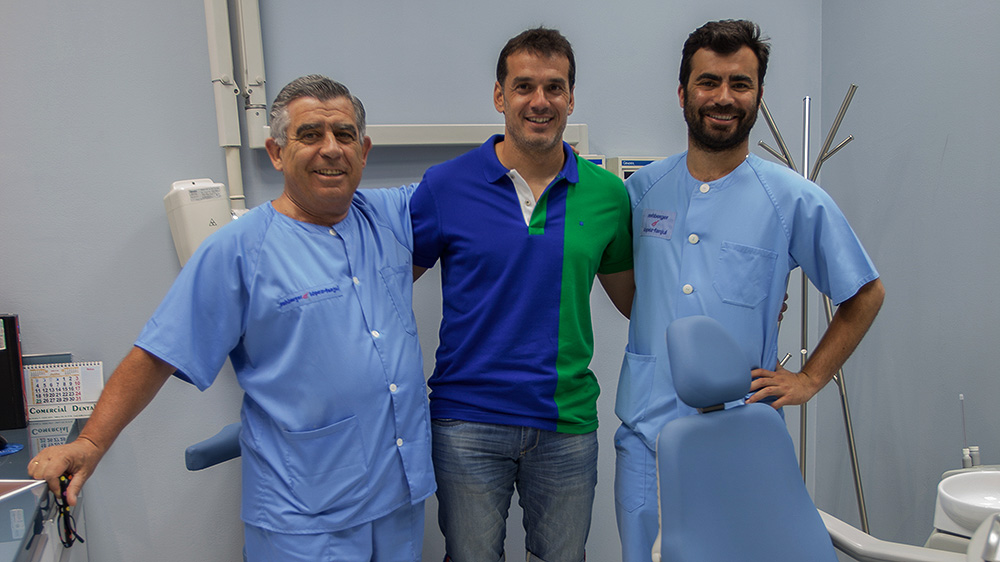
(710,140)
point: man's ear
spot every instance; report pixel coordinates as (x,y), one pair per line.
(366,146)
(274,151)
(680,95)
(498,96)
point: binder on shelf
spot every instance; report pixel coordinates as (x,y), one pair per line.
(12,398)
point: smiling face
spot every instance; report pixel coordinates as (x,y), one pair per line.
(536,100)
(322,160)
(720,100)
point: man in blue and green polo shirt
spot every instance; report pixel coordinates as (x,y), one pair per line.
(522,226)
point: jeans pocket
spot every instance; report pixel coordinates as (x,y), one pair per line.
(327,466)
(744,273)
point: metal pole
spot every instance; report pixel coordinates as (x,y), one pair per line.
(804,350)
(856,470)
(785,156)
(825,153)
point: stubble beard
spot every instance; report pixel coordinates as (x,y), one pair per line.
(706,139)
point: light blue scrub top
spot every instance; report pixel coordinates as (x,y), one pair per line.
(319,327)
(724,249)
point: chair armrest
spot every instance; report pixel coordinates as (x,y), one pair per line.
(219,448)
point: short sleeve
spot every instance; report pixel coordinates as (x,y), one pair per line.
(201,318)
(826,247)
(425,217)
(618,255)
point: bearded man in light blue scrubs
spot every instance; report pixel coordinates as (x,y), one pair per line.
(716,232)
(310,297)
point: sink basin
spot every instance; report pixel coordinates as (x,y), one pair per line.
(969,498)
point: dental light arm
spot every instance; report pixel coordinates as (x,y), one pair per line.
(251,61)
(226,91)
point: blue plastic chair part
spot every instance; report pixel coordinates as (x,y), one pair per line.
(221,447)
(730,486)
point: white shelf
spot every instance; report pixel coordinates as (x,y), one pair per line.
(460,134)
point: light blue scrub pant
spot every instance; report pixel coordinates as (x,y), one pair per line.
(477,466)
(635,496)
(396,537)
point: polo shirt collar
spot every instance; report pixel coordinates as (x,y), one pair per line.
(495,171)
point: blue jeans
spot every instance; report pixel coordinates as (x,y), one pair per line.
(477,467)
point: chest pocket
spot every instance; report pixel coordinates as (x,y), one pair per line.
(744,273)
(399,282)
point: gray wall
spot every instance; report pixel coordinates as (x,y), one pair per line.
(103,105)
(919,188)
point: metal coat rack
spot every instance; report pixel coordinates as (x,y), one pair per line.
(785,157)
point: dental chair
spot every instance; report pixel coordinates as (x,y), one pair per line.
(729,483)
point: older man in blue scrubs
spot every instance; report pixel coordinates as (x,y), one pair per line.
(716,231)
(310,297)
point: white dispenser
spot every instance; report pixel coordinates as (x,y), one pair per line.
(195,209)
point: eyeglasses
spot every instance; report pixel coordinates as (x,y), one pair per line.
(66,522)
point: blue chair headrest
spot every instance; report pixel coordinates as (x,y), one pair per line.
(707,364)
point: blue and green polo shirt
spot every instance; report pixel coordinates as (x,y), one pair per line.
(516,336)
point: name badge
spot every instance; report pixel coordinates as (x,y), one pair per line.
(659,224)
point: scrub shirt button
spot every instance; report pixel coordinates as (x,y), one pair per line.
(704,188)
(688,289)
(399,442)
(693,239)
(375,333)
(356,280)
(393,387)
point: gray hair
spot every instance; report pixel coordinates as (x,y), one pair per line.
(311,86)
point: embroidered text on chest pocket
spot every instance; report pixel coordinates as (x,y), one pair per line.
(743,274)
(311,295)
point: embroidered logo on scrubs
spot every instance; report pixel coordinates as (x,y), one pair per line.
(659,224)
(312,294)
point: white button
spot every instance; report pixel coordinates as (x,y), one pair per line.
(399,442)
(375,334)
(333,232)
(393,387)
(356,280)
(693,239)
(688,289)
(704,188)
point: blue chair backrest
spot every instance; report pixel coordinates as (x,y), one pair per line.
(730,486)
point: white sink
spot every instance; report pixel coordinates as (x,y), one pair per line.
(968,498)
